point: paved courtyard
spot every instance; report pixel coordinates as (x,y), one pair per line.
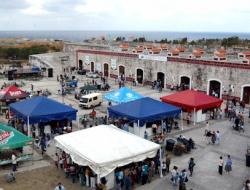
(206,156)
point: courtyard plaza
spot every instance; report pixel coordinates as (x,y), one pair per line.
(206,156)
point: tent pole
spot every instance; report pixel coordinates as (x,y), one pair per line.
(78,121)
(161,163)
(28,123)
(98,178)
(138,125)
(181,120)
(194,116)
(9,115)
(161,127)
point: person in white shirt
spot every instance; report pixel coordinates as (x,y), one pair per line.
(14,162)
(220,166)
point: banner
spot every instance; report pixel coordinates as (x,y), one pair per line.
(98,67)
(113,64)
(86,59)
(153,57)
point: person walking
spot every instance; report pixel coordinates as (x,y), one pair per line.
(168,161)
(191,165)
(228,166)
(220,166)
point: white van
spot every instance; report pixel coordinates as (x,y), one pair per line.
(90,100)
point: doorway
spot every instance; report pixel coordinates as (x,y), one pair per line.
(246,95)
(121,70)
(215,88)
(80,65)
(106,70)
(92,67)
(161,77)
(139,76)
(185,83)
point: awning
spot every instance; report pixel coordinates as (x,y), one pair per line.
(105,147)
(12,93)
(191,99)
(10,138)
(144,110)
(122,95)
(42,109)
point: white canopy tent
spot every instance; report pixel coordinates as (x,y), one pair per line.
(105,147)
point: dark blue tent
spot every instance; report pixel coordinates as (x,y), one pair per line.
(144,110)
(42,109)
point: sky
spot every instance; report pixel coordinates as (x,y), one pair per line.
(128,15)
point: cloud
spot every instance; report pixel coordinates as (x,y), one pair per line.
(9,5)
(164,15)
(36,7)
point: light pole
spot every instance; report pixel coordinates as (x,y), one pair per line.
(62,79)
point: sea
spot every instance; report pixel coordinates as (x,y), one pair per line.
(79,36)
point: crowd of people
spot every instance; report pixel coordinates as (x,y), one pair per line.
(212,137)
(81,174)
(140,173)
(180,177)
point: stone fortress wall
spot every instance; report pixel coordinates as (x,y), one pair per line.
(230,79)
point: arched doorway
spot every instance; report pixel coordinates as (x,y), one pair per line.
(92,67)
(185,82)
(139,76)
(161,77)
(80,65)
(215,88)
(106,70)
(121,70)
(246,94)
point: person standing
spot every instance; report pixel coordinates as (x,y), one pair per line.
(14,162)
(191,165)
(144,174)
(228,166)
(168,162)
(217,137)
(220,167)
(175,176)
(43,144)
(164,168)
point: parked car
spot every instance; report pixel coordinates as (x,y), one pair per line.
(90,100)
(92,75)
(81,72)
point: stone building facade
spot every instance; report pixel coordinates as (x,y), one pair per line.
(222,79)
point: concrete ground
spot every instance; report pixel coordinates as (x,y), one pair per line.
(206,156)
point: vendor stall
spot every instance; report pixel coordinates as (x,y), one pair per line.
(193,102)
(141,111)
(11,139)
(122,95)
(11,94)
(104,148)
(42,109)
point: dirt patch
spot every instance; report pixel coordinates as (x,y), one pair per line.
(39,179)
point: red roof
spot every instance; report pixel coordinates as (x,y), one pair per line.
(12,93)
(191,99)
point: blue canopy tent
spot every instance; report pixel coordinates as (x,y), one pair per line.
(144,110)
(42,109)
(122,95)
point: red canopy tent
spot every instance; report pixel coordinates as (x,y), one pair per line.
(12,93)
(191,99)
